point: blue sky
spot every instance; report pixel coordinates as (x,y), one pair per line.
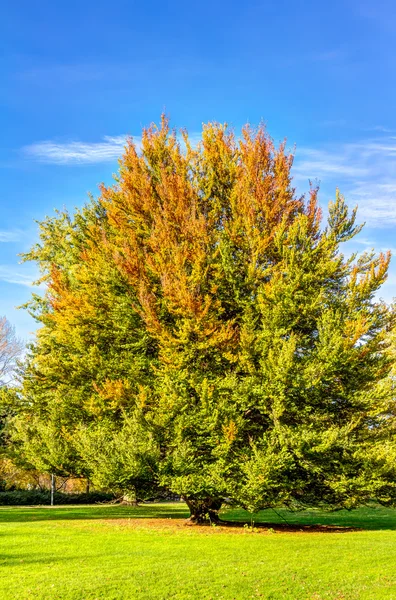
(76,78)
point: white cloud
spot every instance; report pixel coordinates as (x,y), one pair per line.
(74,152)
(322,163)
(381,129)
(18,275)
(364,171)
(372,244)
(10,236)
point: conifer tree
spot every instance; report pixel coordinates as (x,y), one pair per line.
(203,298)
(82,373)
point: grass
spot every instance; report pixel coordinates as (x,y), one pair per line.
(148,552)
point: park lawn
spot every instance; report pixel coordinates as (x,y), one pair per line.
(149,552)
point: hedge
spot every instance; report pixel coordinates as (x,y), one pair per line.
(35,497)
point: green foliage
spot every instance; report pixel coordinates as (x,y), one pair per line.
(83,371)
(203,331)
(6,411)
(120,458)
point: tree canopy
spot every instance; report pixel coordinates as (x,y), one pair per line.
(202,331)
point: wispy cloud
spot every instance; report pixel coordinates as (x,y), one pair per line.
(329,55)
(365,172)
(18,275)
(10,236)
(75,152)
(322,163)
(372,244)
(381,129)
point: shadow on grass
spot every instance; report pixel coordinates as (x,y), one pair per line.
(372,518)
(24,560)
(24,514)
(368,518)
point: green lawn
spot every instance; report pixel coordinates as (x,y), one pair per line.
(148,552)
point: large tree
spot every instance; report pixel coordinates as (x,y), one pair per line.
(202,298)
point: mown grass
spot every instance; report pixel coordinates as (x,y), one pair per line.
(147,552)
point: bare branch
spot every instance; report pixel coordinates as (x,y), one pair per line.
(10,350)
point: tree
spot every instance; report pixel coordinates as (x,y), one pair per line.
(82,373)
(201,295)
(10,350)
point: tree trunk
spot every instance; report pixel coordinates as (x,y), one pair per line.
(130,498)
(202,510)
(52,488)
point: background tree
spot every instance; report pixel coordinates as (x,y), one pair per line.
(202,298)
(10,350)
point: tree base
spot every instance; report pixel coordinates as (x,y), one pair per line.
(203,511)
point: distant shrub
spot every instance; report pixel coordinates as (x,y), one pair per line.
(35,497)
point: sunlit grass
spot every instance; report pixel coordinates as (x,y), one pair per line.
(118,552)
